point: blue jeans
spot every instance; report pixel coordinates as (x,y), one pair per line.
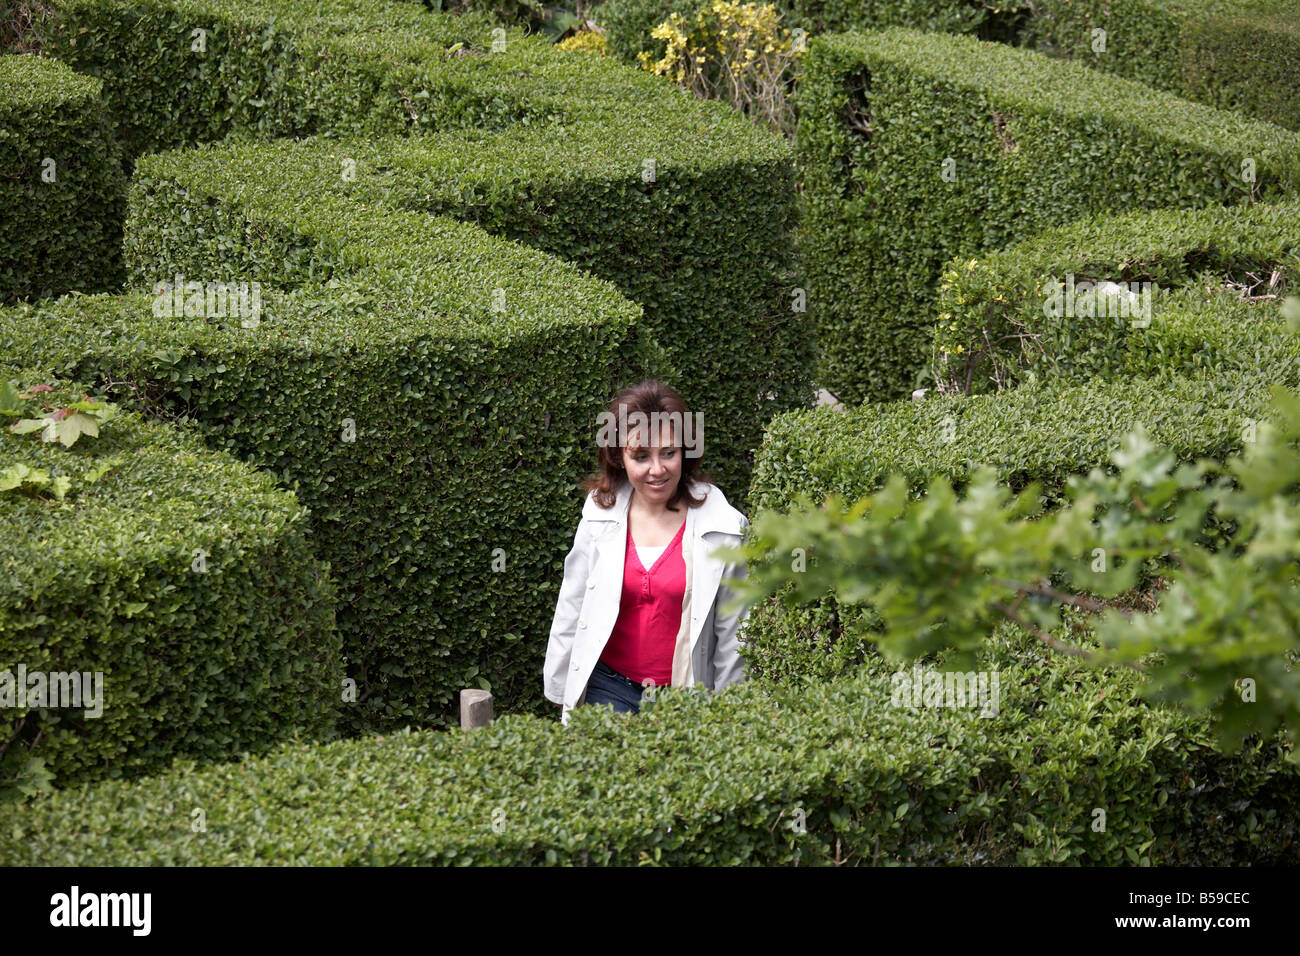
(608,686)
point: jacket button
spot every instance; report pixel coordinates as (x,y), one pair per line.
(582,624)
(591,584)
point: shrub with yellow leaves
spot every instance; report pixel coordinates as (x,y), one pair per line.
(586,41)
(737,52)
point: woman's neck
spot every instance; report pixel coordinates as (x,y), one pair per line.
(646,510)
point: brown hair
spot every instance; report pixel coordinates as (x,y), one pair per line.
(648,397)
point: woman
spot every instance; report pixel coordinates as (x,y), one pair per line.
(644,602)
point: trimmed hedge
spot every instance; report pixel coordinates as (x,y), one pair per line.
(1227,54)
(1223,54)
(289,68)
(1221,338)
(727,335)
(992,328)
(281,68)
(63,192)
(203,655)
(1033,142)
(706,246)
(424,430)
(1039,433)
(721,779)
(587,128)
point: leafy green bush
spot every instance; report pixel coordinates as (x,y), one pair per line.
(941,571)
(1223,54)
(63,192)
(184,577)
(1044,433)
(178,72)
(916,148)
(994,324)
(833,773)
(627,24)
(438,442)
(683,204)
(1231,55)
(1220,337)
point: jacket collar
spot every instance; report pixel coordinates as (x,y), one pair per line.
(714,515)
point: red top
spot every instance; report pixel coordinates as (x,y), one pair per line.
(649,615)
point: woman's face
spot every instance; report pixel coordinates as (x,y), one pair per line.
(656,470)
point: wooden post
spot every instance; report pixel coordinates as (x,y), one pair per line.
(475,708)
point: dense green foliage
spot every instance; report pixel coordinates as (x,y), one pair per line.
(730,778)
(916,148)
(1043,433)
(941,570)
(284,68)
(1222,53)
(1233,55)
(683,203)
(62,192)
(424,430)
(463,249)
(182,575)
(994,324)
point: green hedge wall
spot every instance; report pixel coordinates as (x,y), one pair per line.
(707,245)
(282,68)
(423,430)
(587,128)
(1032,141)
(723,779)
(1033,433)
(1224,54)
(63,192)
(203,655)
(1037,432)
(993,329)
(1217,339)
(1231,55)
(705,251)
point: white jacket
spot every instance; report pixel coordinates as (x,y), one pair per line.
(593,586)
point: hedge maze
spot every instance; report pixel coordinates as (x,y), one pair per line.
(334,292)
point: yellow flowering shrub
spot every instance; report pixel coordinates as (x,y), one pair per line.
(737,52)
(586,41)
